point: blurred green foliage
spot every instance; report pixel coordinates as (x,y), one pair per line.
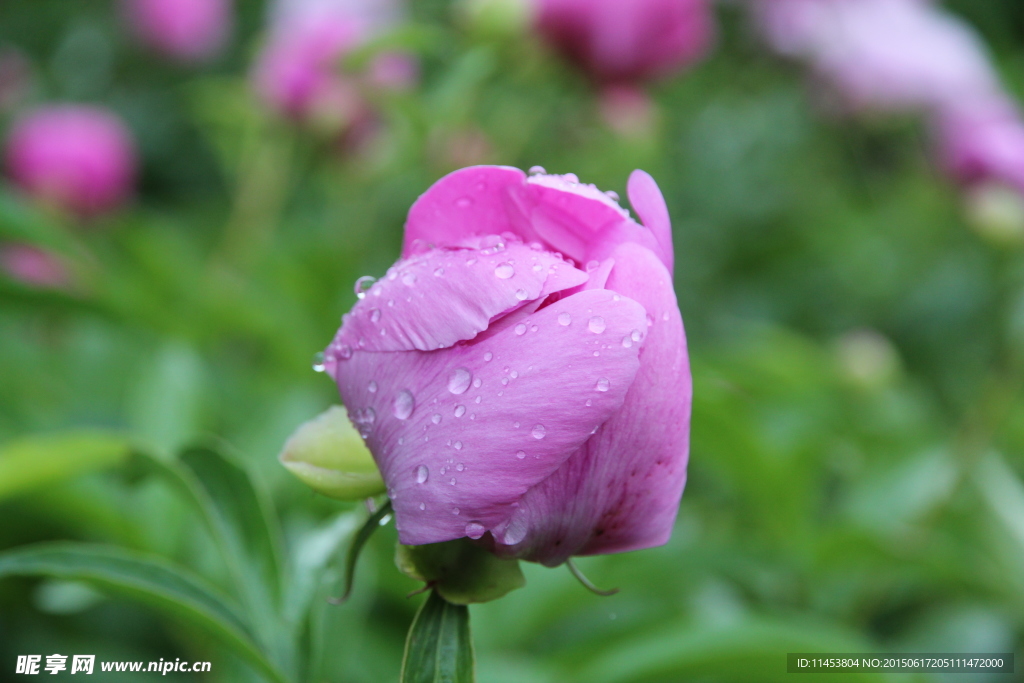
(858,432)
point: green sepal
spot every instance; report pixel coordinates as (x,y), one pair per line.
(461,571)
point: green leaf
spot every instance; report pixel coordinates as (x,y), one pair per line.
(159,584)
(461,571)
(439,648)
(310,559)
(38,461)
(371,525)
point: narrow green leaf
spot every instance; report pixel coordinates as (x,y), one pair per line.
(38,461)
(150,580)
(371,525)
(439,648)
(310,560)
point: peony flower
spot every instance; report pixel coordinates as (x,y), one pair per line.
(882,54)
(185,30)
(33,266)
(510,395)
(78,158)
(983,143)
(298,73)
(617,41)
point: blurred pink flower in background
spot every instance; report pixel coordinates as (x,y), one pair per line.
(983,143)
(184,30)
(619,41)
(78,158)
(882,54)
(508,392)
(33,266)
(299,73)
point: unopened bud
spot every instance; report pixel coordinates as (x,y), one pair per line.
(496,17)
(996,213)
(328,455)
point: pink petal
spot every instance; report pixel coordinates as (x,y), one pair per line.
(620,491)
(649,204)
(434,300)
(542,392)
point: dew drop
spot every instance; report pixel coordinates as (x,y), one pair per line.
(537,268)
(664,316)
(457,445)
(504,381)
(460,467)
(476,400)
(516,531)
(422,473)
(504,271)
(602,384)
(627,342)
(539,431)
(318,362)
(520,329)
(403,404)
(516,425)
(463,202)
(372,387)
(374,315)
(564,319)
(636,335)
(475,530)
(455,511)
(436,418)
(409,279)
(613,195)
(513,374)
(534,328)
(391,303)
(589,402)
(363,284)
(522,294)
(537,170)
(423,506)
(460,410)
(477,383)
(592,266)
(452,482)
(458,381)
(650,320)
(596,324)
(439,272)
(520,454)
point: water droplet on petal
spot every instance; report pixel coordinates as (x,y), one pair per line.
(590,402)
(522,294)
(439,272)
(403,404)
(520,329)
(460,467)
(362,285)
(520,454)
(538,431)
(664,316)
(436,418)
(488,356)
(516,531)
(423,506)
(458,381)
(516,425)
(477,382)
(318,362)
(504,271)
(457,445)
(603,384)
(409,279)
(537,170)
(513,374)
(422,473)
(613,195)
(455,511)
(592,266)
(635,335)
(460,410)
(463,202)
(564,319)
(452,482)
(596,324)
(374,315)
(650,320)
(627,342)
(475,530)
(372,387)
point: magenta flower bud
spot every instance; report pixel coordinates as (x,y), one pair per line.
(33,266)
(520,375)
(891,55)
(78,158)
(184,30)
(627,41)
(983,143)
(299,74)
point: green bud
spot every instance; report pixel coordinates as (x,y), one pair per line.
(460,571)
(496,18)
(329,456)
(996,213)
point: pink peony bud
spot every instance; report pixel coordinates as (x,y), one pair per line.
(510,395)
(983,143)
(299,72)
(185,30)
(78,158)
(627,41)
(891,55)
(33,266)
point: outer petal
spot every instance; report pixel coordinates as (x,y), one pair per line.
(649,204)
(437,299)
(470,429)
(620,491)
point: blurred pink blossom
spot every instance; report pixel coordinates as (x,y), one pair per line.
(299,73)
(882,54)
(33,266)
(627,110)
(637,40)
(76,157)
(983,143)
(185,30)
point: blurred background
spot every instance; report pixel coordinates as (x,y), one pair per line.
(191,188)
